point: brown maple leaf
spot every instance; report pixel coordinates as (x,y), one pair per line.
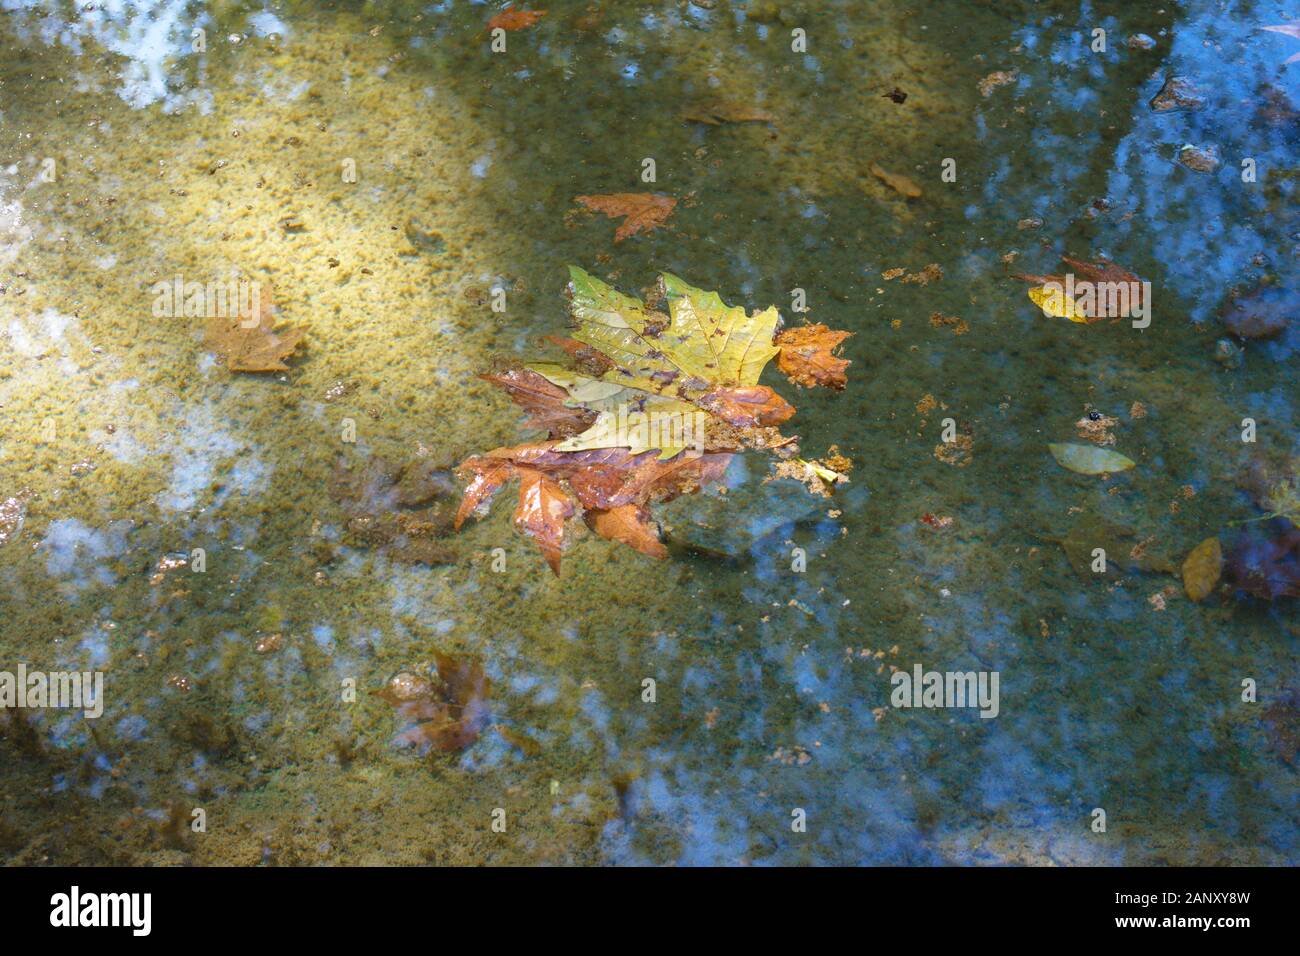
(543,508)
(543,401)
(513,18)
(248,346)
(1287,29)
(642,212)
(604,480)
(588,360)
(807,358)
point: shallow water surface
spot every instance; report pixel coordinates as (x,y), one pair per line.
(382,172)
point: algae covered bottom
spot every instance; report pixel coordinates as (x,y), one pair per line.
(243,517)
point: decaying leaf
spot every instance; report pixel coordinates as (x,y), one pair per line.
(641,212)
(897,182)
(251,344)
(1122,546)
(806,356)
(1089,459)
(446,712)
(668,398)
(817,476)
(996,79)
(1264,312)
(717,112)
(1202,568)
(403,510)
(513,18)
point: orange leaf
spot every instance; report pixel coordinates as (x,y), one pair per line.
(512,18)
(629,524)
(806,356)
(642,211)
(489,475)
(257,348)
(543,508)
(746,406)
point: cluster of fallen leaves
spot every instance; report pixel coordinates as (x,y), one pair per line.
(651,405)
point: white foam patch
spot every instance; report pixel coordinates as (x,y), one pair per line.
(79,554)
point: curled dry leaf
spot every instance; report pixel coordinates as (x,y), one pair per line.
(807,356)
(641,212)
(1202,568)
(1089,459)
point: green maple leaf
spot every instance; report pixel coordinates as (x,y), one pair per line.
(699,345)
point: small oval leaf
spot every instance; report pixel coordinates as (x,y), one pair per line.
(1089,459)
(1202,568)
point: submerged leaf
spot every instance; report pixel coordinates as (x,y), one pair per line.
(251,344)
(1202,568)
(1089,459)
(513,18)
(897,182)
(717,112)
(641,212)
(446,714)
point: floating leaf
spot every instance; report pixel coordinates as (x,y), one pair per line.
(641,212)
(699,344)
(544,401)
(806,356)
(1089,459)
(1091,292)
(630,524)
(1202,568)
(668,397)
(1054,303)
